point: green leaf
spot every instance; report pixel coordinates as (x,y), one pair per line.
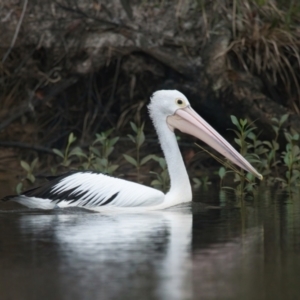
(154,173)
(102,162)
(19,188)
(162,163)
(112,168)
(275,128)
(33,164)
(77,151)
(95,151)
(146,159)
(275,145)
(131,160)
(132,138)
(267,143)
(243,122)
(237,133)
(235,121)
(283,119)
(72,138)
(66,163)
(286,160)
(85,165)
(197,182)
(155,157)
(58,152)
(155,182)
(247,132)
(100,138)
(109,151)
(262,150)
(238,141)
(25,166)
(251,136)
(134,127)
(113,141)
(31,178)
(288,137)
(141,138)
(222,172)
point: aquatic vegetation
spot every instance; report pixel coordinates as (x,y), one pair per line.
(97,157)
(67,154)
(244,133)
(291,159)
(162,180)
(99,160)
(29,168)
(138,139)
(222,172)
(281,167)
(266,156)
(203,182)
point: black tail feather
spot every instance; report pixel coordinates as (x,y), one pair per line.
(7,198)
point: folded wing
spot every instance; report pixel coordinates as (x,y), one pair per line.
(88,189)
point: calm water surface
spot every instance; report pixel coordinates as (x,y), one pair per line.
(219,248)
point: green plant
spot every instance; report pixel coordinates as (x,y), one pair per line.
(291,159)
(162,180)
(265,154)
(274,147)
(95,159)
(67,154)
(138,139)
(202,181)
(29,168)
(244,133)
(222,172)
(99,159)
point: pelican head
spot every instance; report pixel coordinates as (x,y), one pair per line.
(172,108)
(166,102)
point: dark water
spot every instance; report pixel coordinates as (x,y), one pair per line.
(224,249)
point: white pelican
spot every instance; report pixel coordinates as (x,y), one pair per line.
(169,110)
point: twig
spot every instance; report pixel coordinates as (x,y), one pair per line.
(81,13)
(22,109)
(110,102)
(26,146)
(16,32)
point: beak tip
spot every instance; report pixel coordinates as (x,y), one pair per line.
(260,177)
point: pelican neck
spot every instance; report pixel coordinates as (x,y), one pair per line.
(179,179)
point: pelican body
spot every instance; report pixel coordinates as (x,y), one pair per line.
(169,110)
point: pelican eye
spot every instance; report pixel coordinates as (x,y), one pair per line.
(180,102)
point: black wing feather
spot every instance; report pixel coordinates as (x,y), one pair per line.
(45,191)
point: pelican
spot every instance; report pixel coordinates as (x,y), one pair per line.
(169,110)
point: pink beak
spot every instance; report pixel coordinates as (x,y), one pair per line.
(188,121)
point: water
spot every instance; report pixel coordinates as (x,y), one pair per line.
(219,248)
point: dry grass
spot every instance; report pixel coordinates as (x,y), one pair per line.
(265,42)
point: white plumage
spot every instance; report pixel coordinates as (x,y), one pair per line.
(168,109)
